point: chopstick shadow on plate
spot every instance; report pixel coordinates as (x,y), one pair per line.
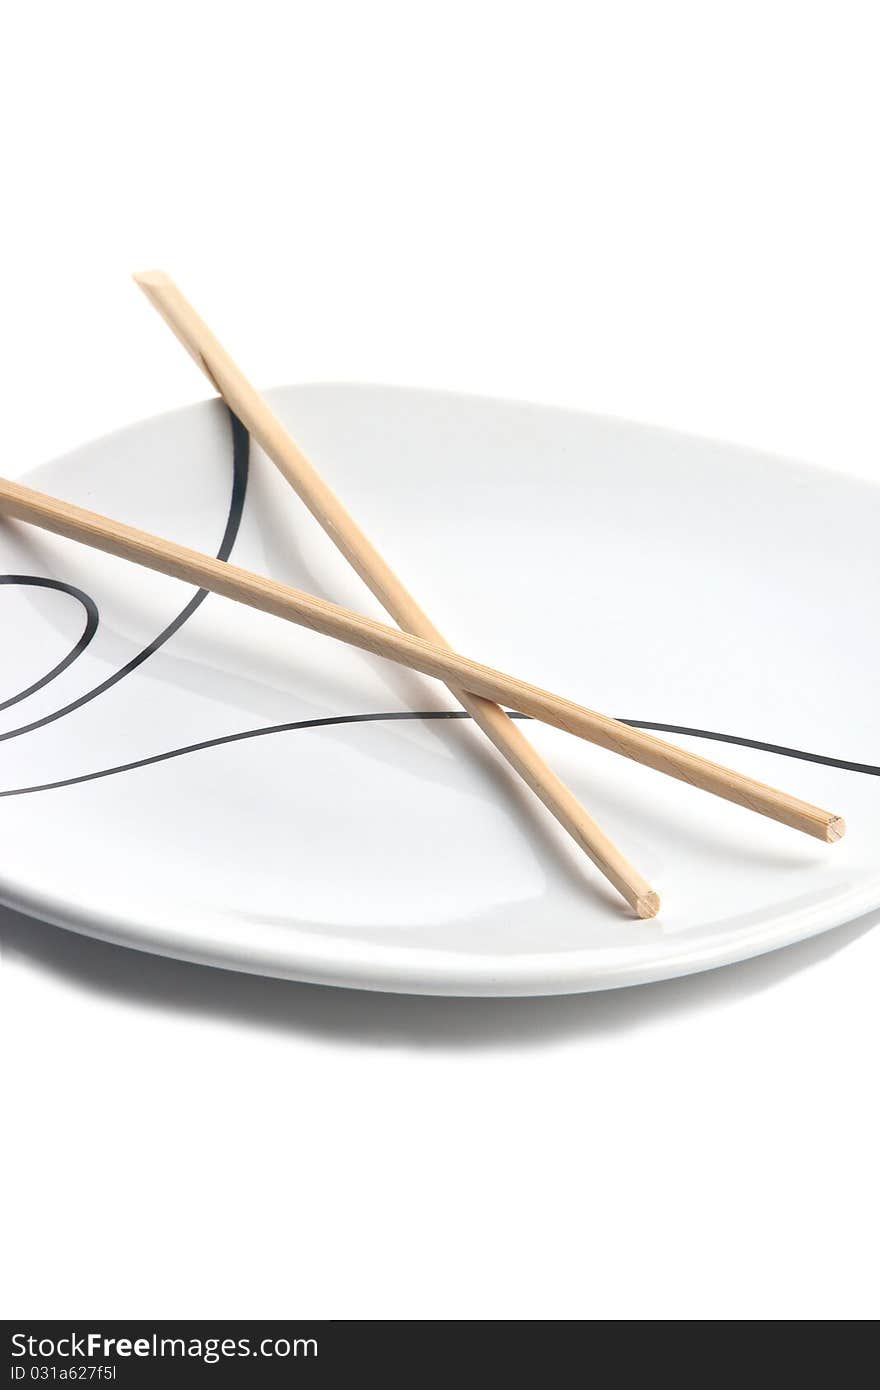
(443,1023)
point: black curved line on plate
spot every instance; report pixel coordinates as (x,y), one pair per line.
(88,632)
(240,459)
(388,717)
(843,763)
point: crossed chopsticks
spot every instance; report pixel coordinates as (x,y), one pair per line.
(480,689)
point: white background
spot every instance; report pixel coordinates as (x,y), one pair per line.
(667,212)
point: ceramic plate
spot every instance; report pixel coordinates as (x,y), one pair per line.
(186,776)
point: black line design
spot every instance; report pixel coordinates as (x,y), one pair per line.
(843,763)
(386,717)
(88,632)
(241,453)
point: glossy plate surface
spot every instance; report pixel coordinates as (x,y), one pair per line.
(236,791)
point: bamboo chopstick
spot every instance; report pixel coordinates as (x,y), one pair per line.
(258,418)
(178,561)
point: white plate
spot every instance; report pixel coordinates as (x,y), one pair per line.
(657,577)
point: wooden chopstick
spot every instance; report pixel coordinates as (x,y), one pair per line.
(115,538)
(256,415)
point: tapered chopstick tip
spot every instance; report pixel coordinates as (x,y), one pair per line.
(648,905)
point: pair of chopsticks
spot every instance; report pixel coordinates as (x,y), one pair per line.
(480,689)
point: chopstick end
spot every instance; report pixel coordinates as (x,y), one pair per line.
(151,279)
(835,829)
(648,905)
